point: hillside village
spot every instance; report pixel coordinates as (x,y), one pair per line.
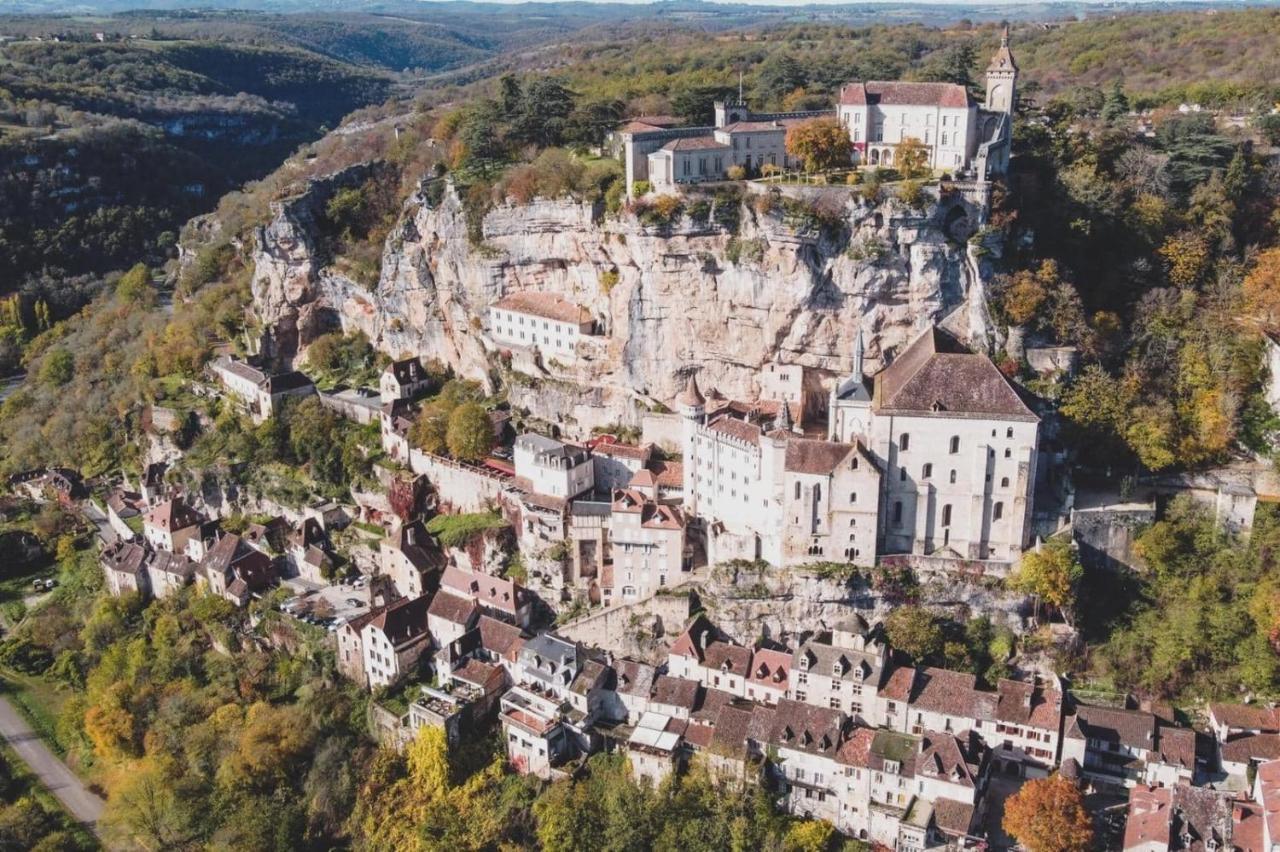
(555,586)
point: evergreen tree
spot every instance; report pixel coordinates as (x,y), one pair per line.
(1116,105)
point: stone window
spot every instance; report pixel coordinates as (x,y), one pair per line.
(997,511)
(946,515)
(927,471)
(904,442)
(955,444)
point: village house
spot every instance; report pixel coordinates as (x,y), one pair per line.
(124,568)
(466,702)
(1186,818)
(533,731)
(648,545)
(655,748)
(350,652)
(614,465)
(449,618)
(1117,748)
(394,640)
(168,573)
(260,393)
(541,321)
(169,525)
(844,673)
(403,379)
(807,741)
(412,559)
(497,596)
(547,466)
(236,571)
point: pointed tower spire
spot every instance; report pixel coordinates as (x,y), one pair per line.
(691,397)
(784,421)
(857,356)
(1004,36)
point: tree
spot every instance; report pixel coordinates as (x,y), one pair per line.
(912,158)
(1051,574)
(812,835)
(430,431)
(57,368)
(1116,105)
(696,104)
(134,287)
(779,75)
(821,142)
(915,631)
(1262,291)
(470,433)
(544,111)
(957,64)
(1048,815)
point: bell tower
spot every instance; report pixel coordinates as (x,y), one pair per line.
(1002,78)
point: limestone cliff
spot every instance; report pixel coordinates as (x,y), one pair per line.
(667,299)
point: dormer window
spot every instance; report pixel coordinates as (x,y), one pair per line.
(804,662)
(937,406)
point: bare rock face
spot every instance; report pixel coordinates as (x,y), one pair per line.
(692,295)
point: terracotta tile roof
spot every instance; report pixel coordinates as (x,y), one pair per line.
(403,621)
(661,516)
(545,305)
(710,705)
(770,668)
(498,637)
(1268,785)
(901,93)
(952,817)
(943,691)
(1169,816)
(641,453)
(856,751)
(804,727)
(452,608)
(739,430)
(942,757)
(172,515)
(1176,746)
(805,455)
(761,724)
(1133,728)
(695,143)
(486,677)
(898,686)
(1246,828)
(675,691)
(936,375)
(643,478)
(124,557)
(731,729)
(690,641)
(670,474)
(1247,747)
(1023,703)
(635,678)
(504,595)
(1246,717)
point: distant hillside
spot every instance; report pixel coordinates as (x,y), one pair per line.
(105,147)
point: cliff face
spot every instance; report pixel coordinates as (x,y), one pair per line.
(692,295)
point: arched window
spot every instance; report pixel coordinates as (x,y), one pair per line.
(997,511)
(946,515)
(1004,482)
(955,443)
(853,464)
(927,471)
(853,496)
(1008,453)
(902,474)
(904,442)
(1008,433)
(953,477)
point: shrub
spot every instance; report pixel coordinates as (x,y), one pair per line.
(911,193)
(853,178)
(700,211)
(641,187)
(736,173)
(660,211)
(457,530)
(751,250)
(608,280)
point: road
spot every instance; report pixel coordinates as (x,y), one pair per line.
(84,806)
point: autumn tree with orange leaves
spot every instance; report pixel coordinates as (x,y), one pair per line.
(1048,815)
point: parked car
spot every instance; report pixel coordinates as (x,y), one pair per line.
(355,603)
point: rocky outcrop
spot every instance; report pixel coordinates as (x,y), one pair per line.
(666,299)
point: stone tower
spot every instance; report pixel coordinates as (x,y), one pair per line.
(1002,78)
(692,409)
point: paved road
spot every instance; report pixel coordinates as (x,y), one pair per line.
(52,772)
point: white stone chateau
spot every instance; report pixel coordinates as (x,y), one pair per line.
(934,456)
(958,134)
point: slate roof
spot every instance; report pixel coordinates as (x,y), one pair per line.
(822,659)
(285,382)
(902,93)
(124,557)
(176,564)
(418,546)
(935,375)
(407,371)
(545,305)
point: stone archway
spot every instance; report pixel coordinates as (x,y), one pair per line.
(887,159)
(875,156)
